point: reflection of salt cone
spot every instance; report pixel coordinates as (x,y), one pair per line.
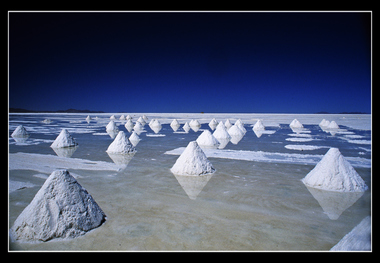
(334,203)
(235,139)
(156,129)
(20,139)
(193,185)
(112,133)
(121,159)
(258,133)
(66,151)
(223,143)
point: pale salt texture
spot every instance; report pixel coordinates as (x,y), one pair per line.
(192,161)
(175,125)
(296,124)
(62,208)
(240,124)
(335,173)
(134,138)
(129,125)
(113,117)
(206,139)
(221,132)
(64,139)
(228,124)
(235,131)
(194,123)
(141,120)
(213,123)
(186,127)
(88,118)
(121,144)
(111,126)
(259,126)
(333,125)
(20,131)
(122,117)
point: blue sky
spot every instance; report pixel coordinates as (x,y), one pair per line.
(273,62)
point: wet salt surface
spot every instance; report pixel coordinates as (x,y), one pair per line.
(244,205)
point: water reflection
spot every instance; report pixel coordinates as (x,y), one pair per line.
(334,203)
(66,152)
(193,185)
(113,133)
(121,160)
(235,139)
(20,139)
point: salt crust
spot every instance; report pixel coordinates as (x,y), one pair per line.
(64,139)
(335,173)
(121,144)
(192,161)
(62,208)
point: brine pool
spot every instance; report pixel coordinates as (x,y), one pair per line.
(255,201)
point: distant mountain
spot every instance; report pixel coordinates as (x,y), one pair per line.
(344,112)
(16,110)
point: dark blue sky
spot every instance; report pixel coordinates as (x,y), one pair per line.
(191,62)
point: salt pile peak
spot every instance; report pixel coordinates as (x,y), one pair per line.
(235,131)
(335,173)
(186,127)
(175,125)
(206,139)
(111,127)
(121,144)
(240,124)
(62,208)
(20,131)
(192,162)
(333,125)
(259,126)
(296,124)
(64,139)
(221,132)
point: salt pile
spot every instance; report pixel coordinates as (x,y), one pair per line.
(113,117)
(206,139)
(129,125)
(228,124)
(88,118)
(296,124)
(324,123)
(111,127)
(235,131)
(20,131)
(138,127)
(121,144)
(259,126)
(175,125)
(62,208)
(192,161)
(141,120)
(222,135)
(128,117)
(186,127)
(335,173)
(194,123)
(64,139)
(240,124)
(213,123)
(134,138)
(122,117)
(155,125)
(333,125)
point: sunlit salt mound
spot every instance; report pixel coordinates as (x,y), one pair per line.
(296,124)
(111,127)
(134,138)
(206,139)
(228,124)
(62,208)
(235,131)
(20,131)
(240,124)
(259,126)
(88,118)
(213,123)
(221,132)
(122,117)
(333,125)
(324,123)
(141,120)
(121,144)
(192,161)
(113,117)
(335,173)
(175,125)
(194,123)
(64,139)
(186,127)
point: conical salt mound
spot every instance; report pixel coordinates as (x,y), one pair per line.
(206,139)
(333,125)
(296,124)
(62,208)
(192,161)
(111,127)
(64,139)
(221,132)
(20,131)
(121,144)
(335,173)
(259,126)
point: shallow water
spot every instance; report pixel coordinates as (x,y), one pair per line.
(244,205)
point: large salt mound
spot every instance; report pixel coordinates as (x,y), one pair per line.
(121,144)
(64,139)
(192,161)
(335,173)
(20,131)
(62,208)
(207,139)
(235,131)
(333,125)
(259,126)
